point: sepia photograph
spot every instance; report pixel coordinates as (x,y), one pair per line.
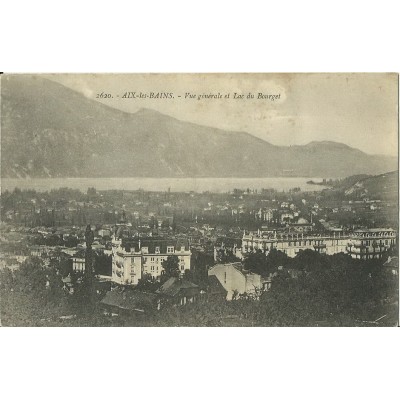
(199,200)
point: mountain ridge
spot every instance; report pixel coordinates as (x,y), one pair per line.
(49,130)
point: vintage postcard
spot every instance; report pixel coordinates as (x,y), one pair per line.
(199,200)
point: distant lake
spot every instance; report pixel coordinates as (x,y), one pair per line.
(218,185)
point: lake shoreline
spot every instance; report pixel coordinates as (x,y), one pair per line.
(217,185)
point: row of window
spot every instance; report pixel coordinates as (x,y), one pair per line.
(170,249)
(156,259)
(372,242)
(152,268)
(313,242)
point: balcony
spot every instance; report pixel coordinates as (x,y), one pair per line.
(355,250)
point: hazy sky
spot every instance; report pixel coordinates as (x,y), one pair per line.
(356,109)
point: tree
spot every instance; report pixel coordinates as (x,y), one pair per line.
(165,224)
(309,260)
(333,290)
(30,278)
(276,258)
(188,275)
(153,223)
(174,226)
(102,264)
(91,193)
(60,263)
(83,299)
(200,262)
(87,286)
(6,280)
(226,257)
(54,289)
(171,267)
(147,284)
(31,294)
(71,241)
(257,263)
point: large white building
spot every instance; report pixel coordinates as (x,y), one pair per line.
(132,258)
(371,243)
(363,244)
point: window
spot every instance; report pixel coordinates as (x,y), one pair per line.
(152,259)
(183,248)
(225,277)
(157,250)
(182,267)
(145,250)
(170,249)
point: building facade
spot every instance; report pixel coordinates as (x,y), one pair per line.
(362,244)
(133,258)
(78,264)
(371,243)
(235,280)
(224,247)
(179,291)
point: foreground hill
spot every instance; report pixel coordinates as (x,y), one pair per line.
(359,187)
(384,187)
(49,130)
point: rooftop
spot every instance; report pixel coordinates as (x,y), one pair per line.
(173,286)
(128,299)
(392,262)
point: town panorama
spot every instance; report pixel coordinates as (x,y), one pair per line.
(164,222)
